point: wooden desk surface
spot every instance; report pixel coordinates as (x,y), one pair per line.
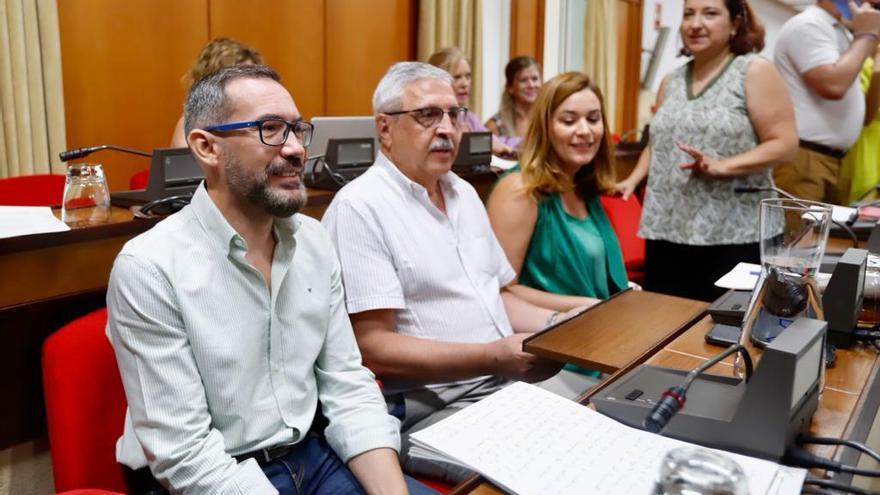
(620,330)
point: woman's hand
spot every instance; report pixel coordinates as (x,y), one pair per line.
(702,164)
(632,285)
(501,149)
(626,188)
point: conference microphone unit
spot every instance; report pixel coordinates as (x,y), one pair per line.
(87,150)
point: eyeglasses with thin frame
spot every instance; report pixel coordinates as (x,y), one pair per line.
(273,132)
(431,116)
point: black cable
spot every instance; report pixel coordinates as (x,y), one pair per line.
(838,486)
(801,458)
(807,439)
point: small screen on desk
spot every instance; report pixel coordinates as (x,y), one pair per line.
(355,154)
(481,143)
(181,170)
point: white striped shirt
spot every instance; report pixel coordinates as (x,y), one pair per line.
(444,273)
(216,364)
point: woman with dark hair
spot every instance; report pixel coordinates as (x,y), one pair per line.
(547,215)
(724,120)
(522,81)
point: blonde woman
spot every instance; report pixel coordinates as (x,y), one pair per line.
(547,215)
(215,55)
(522,81)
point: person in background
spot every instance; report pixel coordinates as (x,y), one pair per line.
(724,120)
(453,61)
(522,81)
(860,172)
(215,55)
(819,60)
(547,215)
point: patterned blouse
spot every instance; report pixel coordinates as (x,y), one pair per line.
(687,208)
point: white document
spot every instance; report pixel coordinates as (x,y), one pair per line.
(531,441)
(502,164)
(744,276)
(25,220)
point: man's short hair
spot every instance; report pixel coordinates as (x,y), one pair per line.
(206,102)
(389,91)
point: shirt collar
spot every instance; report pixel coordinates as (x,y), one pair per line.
(383,162)
(220,232)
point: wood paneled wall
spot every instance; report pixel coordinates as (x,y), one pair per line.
(527,29)
(123,61)
(629,56)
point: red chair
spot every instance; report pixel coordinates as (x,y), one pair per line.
(624,217)
(32,190)
(85,405)
(139,180)
(89,491)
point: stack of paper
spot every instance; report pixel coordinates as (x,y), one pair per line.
(25,220)
(530,441)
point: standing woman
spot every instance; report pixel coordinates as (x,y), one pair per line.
(522,81)
(724,120)
(453,61)
(547,215)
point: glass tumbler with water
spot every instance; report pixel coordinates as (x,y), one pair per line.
(86,197)
(793,237)
(696,471)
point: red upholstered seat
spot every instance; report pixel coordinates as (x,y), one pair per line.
(89,491)
(139,180)
(85,405)
(624,217)
(32,190)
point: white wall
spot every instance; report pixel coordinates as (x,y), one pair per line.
(496,48)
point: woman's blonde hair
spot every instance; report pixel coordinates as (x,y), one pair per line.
(217,54)
(447,58)
(542,171)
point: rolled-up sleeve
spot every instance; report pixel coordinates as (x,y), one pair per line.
(350,398)
(166,399)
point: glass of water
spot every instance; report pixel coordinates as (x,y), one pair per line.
(696,471)
(86,196)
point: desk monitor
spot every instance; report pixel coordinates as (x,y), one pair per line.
(474,152)
(327,128)
(173,172)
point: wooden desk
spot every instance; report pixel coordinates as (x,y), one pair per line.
(625,328)
(846,409)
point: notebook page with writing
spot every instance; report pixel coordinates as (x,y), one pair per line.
(530,441)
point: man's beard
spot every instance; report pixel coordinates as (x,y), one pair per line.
(255,188)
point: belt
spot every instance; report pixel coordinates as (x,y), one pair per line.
(821,148)
(265,456)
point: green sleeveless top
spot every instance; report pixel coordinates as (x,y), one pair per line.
(571,256)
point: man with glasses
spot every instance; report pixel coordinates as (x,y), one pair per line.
(229,325)
(425,276)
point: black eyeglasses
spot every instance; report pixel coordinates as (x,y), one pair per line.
(273,132)
(431,116)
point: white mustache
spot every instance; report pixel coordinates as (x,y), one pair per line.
(441,144)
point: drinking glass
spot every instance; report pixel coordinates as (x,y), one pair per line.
(86,197)
(793,237)
(693,471)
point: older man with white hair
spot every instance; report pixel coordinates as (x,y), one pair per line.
(425,278)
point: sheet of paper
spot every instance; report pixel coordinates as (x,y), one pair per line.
(502,164)
(744,276)
(25,220)
(530,441)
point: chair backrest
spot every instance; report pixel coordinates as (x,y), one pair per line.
(139,180)
(32,190)
(85,405)
(624,217)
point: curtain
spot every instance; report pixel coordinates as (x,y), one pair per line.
(31,93)
(600,52)
(444,23)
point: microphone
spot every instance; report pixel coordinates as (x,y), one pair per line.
(81,152)
(673,399)
(844,226)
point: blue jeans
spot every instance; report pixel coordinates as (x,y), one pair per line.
(313,468)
